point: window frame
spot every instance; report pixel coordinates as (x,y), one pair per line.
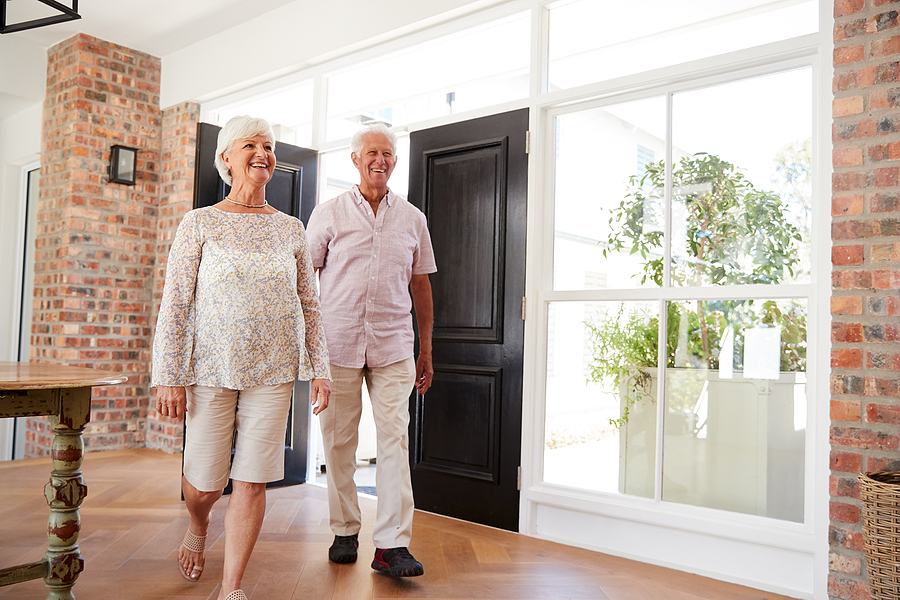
(547,295)
(544,506)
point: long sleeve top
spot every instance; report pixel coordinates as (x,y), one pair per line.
(239,306)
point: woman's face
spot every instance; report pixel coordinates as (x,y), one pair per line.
(251,160)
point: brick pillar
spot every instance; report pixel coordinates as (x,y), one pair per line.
(865,361)
(179,143)
(95,246)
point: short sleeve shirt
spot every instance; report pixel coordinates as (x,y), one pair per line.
(366,263)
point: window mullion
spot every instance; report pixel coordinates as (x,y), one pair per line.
(540,50)
(663,312)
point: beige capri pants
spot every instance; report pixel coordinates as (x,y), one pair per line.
(214,414)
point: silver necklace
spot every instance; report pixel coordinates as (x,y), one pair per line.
(265,203)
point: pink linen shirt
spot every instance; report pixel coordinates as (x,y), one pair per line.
(366,263)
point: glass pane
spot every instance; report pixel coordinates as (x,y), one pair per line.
(736,406)
(337,173)
(601,157)
(477,68)
(741,182)
(289,111)
(598,354)
(594,41)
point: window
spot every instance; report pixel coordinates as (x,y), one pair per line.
(337,173)
(645,156)
(596,41)
(728,213)
(289,111)
(480,67)
(593,176)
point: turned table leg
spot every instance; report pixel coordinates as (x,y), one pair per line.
(65,492)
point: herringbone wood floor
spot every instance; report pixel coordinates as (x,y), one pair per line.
(133,521)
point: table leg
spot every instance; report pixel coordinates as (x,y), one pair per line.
(65,492)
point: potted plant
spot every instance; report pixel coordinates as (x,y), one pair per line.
(734,234)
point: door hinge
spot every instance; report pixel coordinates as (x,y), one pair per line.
(523,308)
(519,479)
(527,142)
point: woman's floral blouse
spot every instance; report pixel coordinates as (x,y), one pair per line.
(239,307)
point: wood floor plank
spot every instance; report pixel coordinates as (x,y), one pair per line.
(458,554)
(354,582)
(133,521)
(426,547)
(317,580)
(487,552)
(279,518)
(165,543)
(94,543)
(276,585)
(116,554)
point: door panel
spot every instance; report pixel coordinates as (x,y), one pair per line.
(459,434)
(465,434)
(471,293)
(291,190)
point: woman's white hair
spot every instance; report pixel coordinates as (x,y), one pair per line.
(236,128)
(356,142)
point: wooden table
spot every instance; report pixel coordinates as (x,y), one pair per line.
(63,393)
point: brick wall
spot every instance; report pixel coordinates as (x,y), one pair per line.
(865,361)
(96,241)
(179,142)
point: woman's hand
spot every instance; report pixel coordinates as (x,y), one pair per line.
(319,394)
(171,401)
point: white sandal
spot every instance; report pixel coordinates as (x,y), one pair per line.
(236,595)
(193,543)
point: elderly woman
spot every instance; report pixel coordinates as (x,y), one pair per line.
(239,322)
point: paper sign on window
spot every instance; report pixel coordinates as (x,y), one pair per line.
(762,353)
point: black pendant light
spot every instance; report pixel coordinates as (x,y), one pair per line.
(65,14)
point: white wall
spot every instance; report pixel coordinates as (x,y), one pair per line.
(294,37)
(20,144)
(23,75)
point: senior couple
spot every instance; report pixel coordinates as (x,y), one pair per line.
(240,320)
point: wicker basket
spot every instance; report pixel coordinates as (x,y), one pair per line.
(881,532)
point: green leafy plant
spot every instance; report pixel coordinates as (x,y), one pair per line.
(624,344)
(733,234)
(621,345)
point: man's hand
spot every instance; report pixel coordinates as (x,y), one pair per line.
(171,401)
(424,372)
(420,286)
(319,394)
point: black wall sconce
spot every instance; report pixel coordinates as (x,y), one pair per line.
(122,165)
(66,14)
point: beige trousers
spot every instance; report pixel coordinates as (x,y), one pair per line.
(389,388)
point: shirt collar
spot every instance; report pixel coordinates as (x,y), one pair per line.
(360,199)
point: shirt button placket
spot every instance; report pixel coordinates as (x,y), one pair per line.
(371,288)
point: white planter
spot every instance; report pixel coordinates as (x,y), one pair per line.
(733,444)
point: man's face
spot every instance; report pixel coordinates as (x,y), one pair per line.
(376,161)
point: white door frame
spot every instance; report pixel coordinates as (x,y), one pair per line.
(23,282)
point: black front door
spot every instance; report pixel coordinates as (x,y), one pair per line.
(465,433)
(292,190)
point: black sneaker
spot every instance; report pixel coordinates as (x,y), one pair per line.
(397,562)
(343,549)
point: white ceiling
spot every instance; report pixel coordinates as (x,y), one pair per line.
(157,27)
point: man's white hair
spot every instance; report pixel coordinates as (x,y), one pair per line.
(356,143)
(237,128)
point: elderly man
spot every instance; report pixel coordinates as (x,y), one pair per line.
(371,249)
